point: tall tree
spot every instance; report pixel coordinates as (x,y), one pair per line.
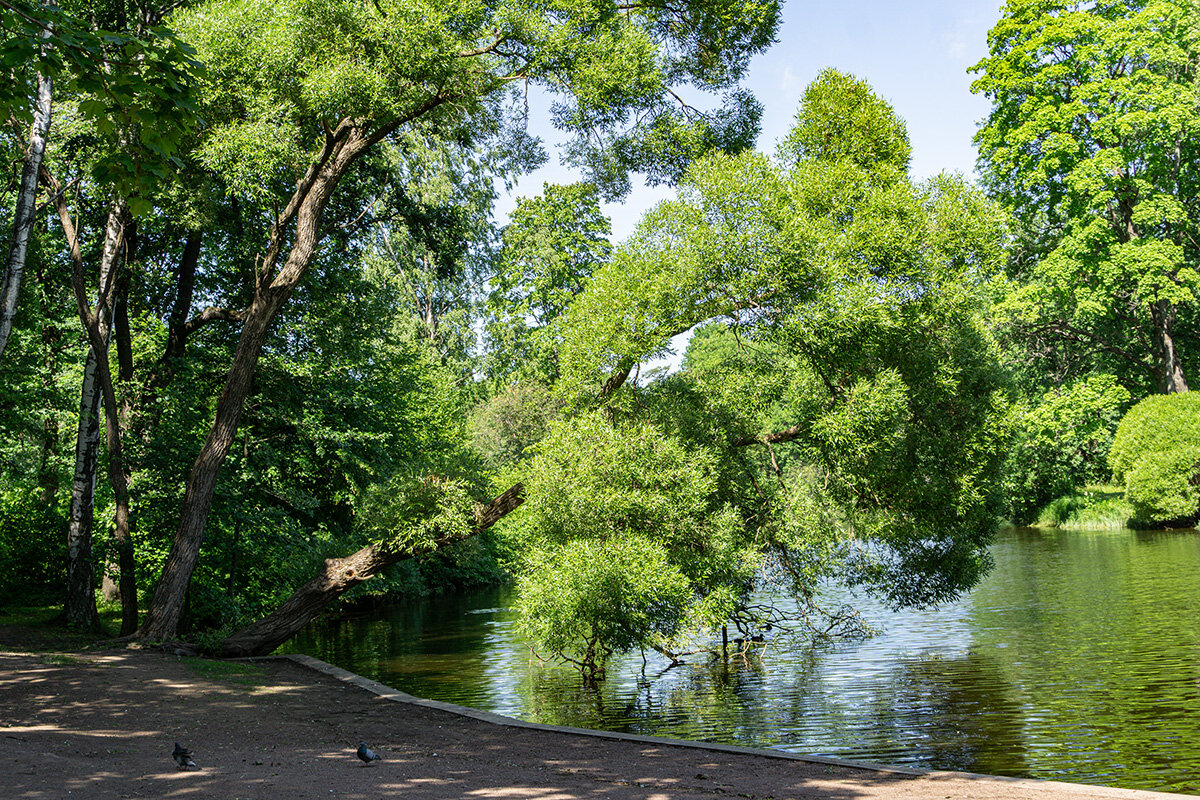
(23,217)
(1092,145)
(852,430)
(433,235)
(134,106)
(865,447)
(347,75)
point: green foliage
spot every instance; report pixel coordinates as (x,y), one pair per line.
(587,599)
(433,240)
(1062,442)
(1088,144)
(1089,508)
(626,510)
(505,427)
(366,378)
(871,136)
(134,91)
(278,70)
(33,540)
(1156,453)
(411,515)
(549,251)
(845,381)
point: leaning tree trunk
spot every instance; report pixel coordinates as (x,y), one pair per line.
(26,206)
(341,574)
(342,148)
(1167,364)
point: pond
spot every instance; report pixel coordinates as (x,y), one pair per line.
(1077,659)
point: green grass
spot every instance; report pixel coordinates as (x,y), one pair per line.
(1088,508)
(62,660)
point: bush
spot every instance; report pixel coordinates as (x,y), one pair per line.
(1090,508)
(33,548)
(1156,454)
(589,599)
(1061,444)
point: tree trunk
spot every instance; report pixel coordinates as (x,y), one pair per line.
(48,478)
(80,606)
(185,285)
(117,423)
(307,206)
(339,575)
(26,205)
(1166,359)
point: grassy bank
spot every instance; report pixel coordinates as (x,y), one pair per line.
(1098,507)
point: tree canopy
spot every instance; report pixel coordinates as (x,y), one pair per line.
(1090,144)
(855,428)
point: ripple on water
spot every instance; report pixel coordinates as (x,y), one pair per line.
(1077,658)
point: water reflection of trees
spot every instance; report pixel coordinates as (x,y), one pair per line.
(1078,658)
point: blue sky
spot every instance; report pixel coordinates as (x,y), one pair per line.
(914,54)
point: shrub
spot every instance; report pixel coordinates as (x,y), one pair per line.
(1061,443)
(1156,454)
(33,548)
(1090,508)
(590,599)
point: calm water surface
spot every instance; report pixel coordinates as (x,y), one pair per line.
(1077,658)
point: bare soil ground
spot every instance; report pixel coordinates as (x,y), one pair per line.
(102,724)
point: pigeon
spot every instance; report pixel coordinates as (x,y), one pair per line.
(183,757)
(367,754)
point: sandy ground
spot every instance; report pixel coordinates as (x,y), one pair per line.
(103,724)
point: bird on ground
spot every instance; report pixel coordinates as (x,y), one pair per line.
(183,757)
(367,754)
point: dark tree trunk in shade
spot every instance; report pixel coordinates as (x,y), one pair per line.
(1167,365)
(79,609)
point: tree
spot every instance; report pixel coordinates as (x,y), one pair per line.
(132,81)
(1062,442)
(1091,145)
(348,75)
(136,107)
(550,249)
(434,237)
(850,428)
(26,199)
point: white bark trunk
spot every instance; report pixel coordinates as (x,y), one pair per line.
(26,203)
(80,606)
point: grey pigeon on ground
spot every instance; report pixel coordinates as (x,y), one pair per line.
(367,754)
(183,757)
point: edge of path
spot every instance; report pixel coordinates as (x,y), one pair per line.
(395,695)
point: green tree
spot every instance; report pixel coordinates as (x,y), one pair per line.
(1091,145)
(548,253)
(433,240)
(347,75)
(845,397)
(1062,442)
(625,541)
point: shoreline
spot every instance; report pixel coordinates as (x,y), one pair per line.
(388,693)
(103,723)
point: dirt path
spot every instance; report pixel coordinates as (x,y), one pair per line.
(103,724)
